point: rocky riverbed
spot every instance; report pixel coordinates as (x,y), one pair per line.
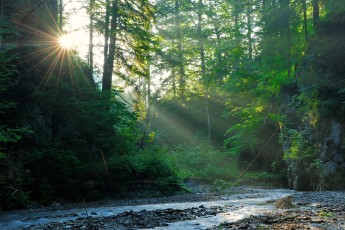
(243,208)
(312,210)
(137,220)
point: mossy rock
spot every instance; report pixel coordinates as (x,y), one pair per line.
(284,203)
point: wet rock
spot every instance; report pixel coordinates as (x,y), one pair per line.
(285,202)
(332,204)
(136,220)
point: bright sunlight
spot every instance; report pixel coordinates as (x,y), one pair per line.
(66,41)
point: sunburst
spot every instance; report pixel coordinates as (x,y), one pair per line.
(52,48)
(66,42)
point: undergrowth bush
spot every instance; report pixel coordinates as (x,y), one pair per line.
(204,162)
(153,168)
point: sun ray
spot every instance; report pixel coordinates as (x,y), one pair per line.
(40,53)
(44,59)
(51,50)
(61,66)
(51,69)
(179,127)
(33,30)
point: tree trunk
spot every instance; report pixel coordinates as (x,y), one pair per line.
(173,76)
(237,32)
(305,21)
(179,50)
(2,9)
(208,117)
(235,13)
(249,27)
(284,6)
(112,44)
(148,104)
(220,62)
(263,12)
(106,86)
(203,67)
(201,43)
(289,40)
(220,67)
(148,96)
(316,15)
(60,15)
(91,38)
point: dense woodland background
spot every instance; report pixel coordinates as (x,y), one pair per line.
(223,91)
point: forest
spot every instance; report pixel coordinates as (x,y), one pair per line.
(225,92)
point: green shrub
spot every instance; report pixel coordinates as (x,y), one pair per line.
(153,168)
(204,162)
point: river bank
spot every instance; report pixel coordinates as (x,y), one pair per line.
(239,208)
(312,210)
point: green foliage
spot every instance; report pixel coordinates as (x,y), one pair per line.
(307,105)
(7,71)
(68,126)
(244,133)
(131,38)
(9,135)
(304,150)
(12,190)
(299,145)
(153,167)
(204,162)
(59,136)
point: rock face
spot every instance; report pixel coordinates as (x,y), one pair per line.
(332,154)
(323,165)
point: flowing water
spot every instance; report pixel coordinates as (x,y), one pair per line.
(241,206)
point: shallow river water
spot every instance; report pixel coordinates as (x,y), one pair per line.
(239,207)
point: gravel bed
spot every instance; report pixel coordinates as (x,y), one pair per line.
(313,210)
(137,220)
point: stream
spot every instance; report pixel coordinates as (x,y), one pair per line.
(236,207)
